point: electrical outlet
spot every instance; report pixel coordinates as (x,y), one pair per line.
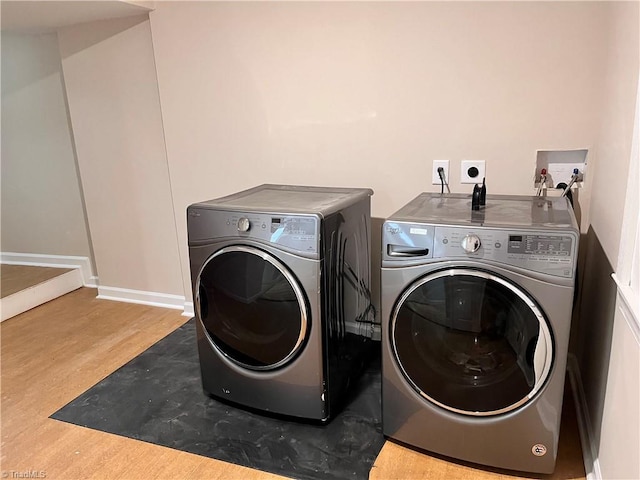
(472,171)
(435,177)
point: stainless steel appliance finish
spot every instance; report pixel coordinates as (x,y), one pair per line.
(281,282)
(476,312)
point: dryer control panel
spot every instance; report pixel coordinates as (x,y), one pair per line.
(298,233)
(551,253)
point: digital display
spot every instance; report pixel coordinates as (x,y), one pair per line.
(540,245)
(293,226)
(299,226)
(275,225)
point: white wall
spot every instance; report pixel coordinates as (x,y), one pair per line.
(42,210)
(369,93)
(115,112)
(615,117)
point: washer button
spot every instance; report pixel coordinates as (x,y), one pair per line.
(471,243)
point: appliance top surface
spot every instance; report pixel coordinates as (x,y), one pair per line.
(499,211)
(289,199)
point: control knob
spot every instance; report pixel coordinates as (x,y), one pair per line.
(244,224)
(471,243)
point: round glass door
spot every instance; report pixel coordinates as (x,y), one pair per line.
(471,342)
(251,307)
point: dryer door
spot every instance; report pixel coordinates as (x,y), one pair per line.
(471,342)
(251,307)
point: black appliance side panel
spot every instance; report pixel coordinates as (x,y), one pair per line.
(347,308)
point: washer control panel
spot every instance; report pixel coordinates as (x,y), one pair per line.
(551,253)
(299,233)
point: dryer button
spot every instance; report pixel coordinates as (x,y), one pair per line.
(244,224)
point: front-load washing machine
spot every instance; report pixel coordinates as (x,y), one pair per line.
(476,311)
(281,283)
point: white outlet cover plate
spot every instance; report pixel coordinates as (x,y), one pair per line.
(435,177)
(464,169)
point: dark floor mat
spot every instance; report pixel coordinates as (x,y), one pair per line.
(157,397)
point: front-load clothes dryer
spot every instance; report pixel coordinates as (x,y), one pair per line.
(476,311)
(281,282)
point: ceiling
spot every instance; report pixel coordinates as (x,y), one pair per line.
(46,16)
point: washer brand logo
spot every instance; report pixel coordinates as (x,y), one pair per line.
(539,450)
(194,213)
(392,230)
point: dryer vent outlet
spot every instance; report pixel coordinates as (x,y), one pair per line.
(472,171)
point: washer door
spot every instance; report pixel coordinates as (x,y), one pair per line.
(251,307)
(471,342)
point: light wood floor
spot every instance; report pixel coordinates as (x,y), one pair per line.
(15,278)
(53,353)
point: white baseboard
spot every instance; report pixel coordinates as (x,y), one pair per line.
(20,302)
(165,300)
(82,265)
(589,450)
(55,261)
(188,310)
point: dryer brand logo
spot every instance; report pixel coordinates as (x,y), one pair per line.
(539,450)
(392,229)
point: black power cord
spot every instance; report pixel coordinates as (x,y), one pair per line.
(442,181)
